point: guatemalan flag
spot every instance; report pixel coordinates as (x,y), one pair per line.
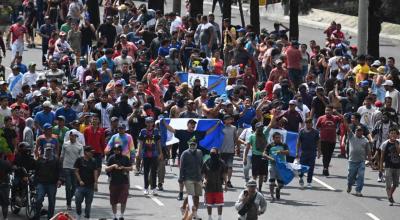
(214,139)
(288,137)
(212,82)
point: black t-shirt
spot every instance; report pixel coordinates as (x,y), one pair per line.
(9,135)
(184,136)
(391,113)
(319,106)
(119,176)
(109,31)
(86,170)
(141,68)
(391,156)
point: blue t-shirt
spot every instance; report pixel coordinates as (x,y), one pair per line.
(22,68)
(42,118)
(163,51)
(110,63)
(69,114)
(247,116)
(273,149)
(308,140)
(149,140)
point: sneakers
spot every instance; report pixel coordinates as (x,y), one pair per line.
(325,172)
(391,201)
(160,187)
(379,179)
(229,184)
(146,192)
(180,196)
(278,193)
(154,192)
(301,182)
(69,208)
(348,189)
(358,194)
(309,186)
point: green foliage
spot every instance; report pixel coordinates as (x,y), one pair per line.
(391,10)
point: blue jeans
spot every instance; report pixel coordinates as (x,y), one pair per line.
(308,160)
(206,50)
(70,184)
(42,190)
(82,193)
(247,167)
(356,174)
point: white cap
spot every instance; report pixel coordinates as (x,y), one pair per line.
(36,93)
(376,63)
(387,83)
(47,104)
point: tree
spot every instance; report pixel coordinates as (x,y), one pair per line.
(255,15)
(375,19)
(196,7)
(176,6)
(294,20)
(156,5)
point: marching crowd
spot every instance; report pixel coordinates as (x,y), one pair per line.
(110,83)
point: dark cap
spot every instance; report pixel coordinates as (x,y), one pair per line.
(259,125)
(192,121)
(226,117)
(88,149)
(114,119)
(61,117)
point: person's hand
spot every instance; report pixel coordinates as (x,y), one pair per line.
(205,182)
(225,188)
(115,166)
(81,183)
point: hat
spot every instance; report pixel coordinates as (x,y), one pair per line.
(20,18)
(43,89)
(88,78)
(36,93)
(192,140)
(364,83)
(387,82)
(241,30)
(122,36)
(294,42)
(62,33)
(259,125)
(114,119)
(293,102)
(118,83)
(121,125)
(141,42)
(118,146)
(47,104)
(88,149)
(251,183)
(376,63)
(14,67)
(70,94)
(149,119)
(278,61)
(31,64)
(2,82)
(192,121)
(378,104)
(47,126)
(75,122)
(74,132)
(61,117)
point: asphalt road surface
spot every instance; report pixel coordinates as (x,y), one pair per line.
(327,199)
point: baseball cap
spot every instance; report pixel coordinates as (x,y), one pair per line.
(149,119)
(259,125)
(251,183)
(88,149)
(47,104)
(36,93)
(114,119)
(241,30)
(73,132)
(47,126)
(364,83)
(388,82)
(378,104)
(61,117)
(121,125)
(293,102)
(376,63)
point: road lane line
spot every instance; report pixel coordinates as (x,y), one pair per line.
(372,216)
(323,184)
(157,201)
(138,187)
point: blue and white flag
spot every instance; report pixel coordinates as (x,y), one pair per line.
(288,137)
(213,139)
(287,171)
(212,82)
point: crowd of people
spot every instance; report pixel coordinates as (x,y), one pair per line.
(110,82)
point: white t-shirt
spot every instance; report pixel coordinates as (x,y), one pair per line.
(245,135)
(29,78)
(303,112)
(175,24)
(4,112)
(395,98)
(366,116)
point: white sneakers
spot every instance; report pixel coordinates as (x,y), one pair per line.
(309,186)
(153,192)
(146,192)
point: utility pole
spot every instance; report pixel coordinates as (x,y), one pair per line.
(176,7)
(362,26)
(241,13)
(255,15)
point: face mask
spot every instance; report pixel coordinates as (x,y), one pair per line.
(103,104)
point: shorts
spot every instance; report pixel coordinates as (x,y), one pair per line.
(228,159)
(17,46)
(392,177)
(119,193)
(259,165)
(193,188)
(273,175)
(214,198)
(98,158)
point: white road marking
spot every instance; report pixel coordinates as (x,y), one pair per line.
(323,184)
(157,201)
(372,216)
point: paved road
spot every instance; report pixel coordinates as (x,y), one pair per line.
(327,200)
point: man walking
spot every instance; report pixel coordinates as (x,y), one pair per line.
(307,148)
(251,203)
(190,173)
(70,152)
(390,156)
(150,151)
(228,146)
(118,168)
(86,175)
(214,173)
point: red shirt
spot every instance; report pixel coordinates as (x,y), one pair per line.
(276,73)
(131,47)
(95,139)
(293,58)
(18,32)
(327,127)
